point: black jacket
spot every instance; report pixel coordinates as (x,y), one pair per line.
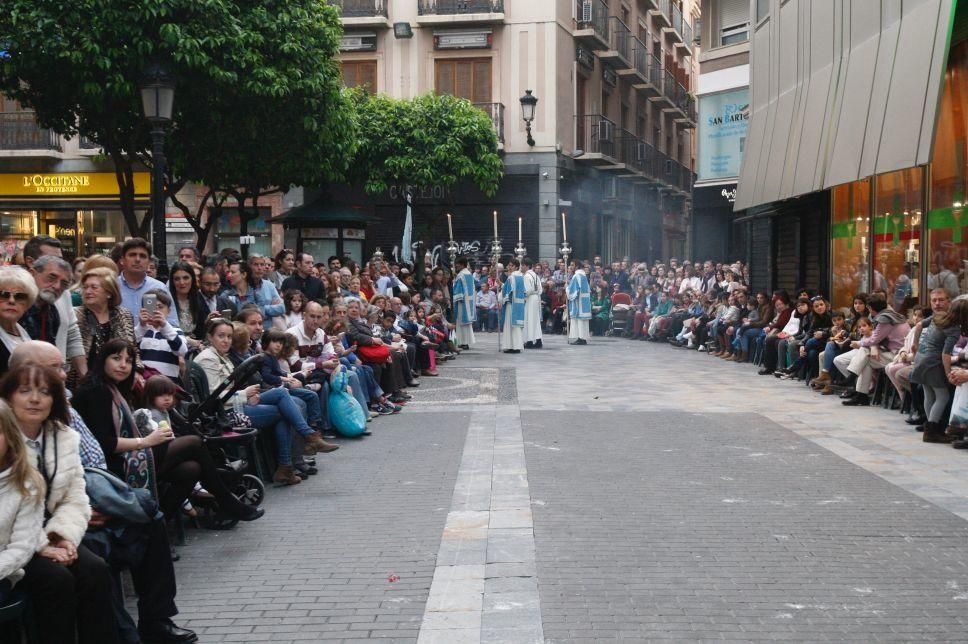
(311,287)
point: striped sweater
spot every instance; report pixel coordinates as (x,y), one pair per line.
(161,348)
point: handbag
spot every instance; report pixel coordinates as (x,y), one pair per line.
(374,353)
(345,412)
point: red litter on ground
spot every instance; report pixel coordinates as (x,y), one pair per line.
(393,577)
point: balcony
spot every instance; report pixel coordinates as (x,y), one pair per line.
(591,24)
(459,12)
(19,131)
(686,106)
(665,99)
(686,43)
(619,52)
(648,71)
(662,12)
(496,112)
(674,30)
(364,13)
(595,142)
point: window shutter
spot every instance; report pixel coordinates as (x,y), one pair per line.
(445,77)
(733,12)
(464,82)
(482,82)
(366,75)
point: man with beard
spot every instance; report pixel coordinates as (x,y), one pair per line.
(51,318)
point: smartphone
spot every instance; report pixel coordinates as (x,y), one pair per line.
(226,313)
(150,302)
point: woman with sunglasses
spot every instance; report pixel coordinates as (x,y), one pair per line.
(17,294)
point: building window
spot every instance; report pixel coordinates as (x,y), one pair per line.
(850,257)
(898,207)
(762,9)
(360,73)
(732,23)
(468,78)
(948,219)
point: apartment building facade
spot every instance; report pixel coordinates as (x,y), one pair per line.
(613,145)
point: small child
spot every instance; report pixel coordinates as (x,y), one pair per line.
(294,302)
(21,507)
(273,375)
(162,346)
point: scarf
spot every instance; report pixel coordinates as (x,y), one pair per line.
(139,464)
(42,323)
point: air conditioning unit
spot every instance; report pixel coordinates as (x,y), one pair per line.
(610,189)
(641,153)
(606,131)
(586,11)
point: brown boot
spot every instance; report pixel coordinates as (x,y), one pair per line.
(934,434)
(314,443)
(286,475)
(828,391)
(955,433)
(740,356)
(821,381)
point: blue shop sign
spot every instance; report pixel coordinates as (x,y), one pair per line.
(723,121)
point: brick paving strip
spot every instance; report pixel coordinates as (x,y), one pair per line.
(485,587)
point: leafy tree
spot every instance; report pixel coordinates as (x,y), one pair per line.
(426,141)
(258,103)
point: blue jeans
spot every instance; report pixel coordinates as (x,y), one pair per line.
(746,336)
(314,412)
(277,409)
(830,352)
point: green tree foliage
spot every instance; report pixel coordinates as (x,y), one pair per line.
(430,140)
(258,105)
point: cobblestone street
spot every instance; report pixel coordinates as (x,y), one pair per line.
(623,490)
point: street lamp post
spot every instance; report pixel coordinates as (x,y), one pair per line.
(528,102)
(157,100)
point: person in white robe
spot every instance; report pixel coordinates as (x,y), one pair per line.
(464,302)
(512,301)
(532,306)
(579,308)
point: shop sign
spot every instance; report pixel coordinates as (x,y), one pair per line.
(354,233)
(320,233)
(723,122)
(76,184)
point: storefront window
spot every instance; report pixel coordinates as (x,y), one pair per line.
(948,220)
(850,218)
(229,230)
(15,229)
(100,230)
(897,235)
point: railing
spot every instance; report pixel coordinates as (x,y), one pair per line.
(676,18)
(496,112)
(595,134)
(669,86)
(362,8)
(619,37)
(19,131)
(596,12)
(665,6)
(85,143)
(640,57)
(626,143)
(456,7)
(655,71)
(687,35)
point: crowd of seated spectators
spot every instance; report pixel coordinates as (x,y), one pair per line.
(869,347)
(96,357)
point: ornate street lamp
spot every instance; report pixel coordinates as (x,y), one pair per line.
(157,100)
(528,102)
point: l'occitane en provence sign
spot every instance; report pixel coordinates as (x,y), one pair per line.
(77,184)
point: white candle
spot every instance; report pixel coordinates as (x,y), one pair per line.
(520,219)
(450,227)
(564,228)
(495,224)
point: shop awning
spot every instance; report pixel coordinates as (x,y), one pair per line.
(322,211)
(840,92)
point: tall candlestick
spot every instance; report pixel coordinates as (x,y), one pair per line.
(564,228)
(520,219)
(450,227)
(495,224)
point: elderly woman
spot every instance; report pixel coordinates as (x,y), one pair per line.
(68,585)
(101,316)
(18,290)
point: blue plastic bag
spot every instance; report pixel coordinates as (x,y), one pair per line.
(345,413)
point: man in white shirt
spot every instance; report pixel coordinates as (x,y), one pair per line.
(486,308)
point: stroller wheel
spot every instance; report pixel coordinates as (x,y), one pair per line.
(250,490)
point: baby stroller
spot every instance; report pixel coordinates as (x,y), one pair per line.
(622,314)
(225,442)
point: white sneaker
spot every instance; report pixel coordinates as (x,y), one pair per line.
(702,347)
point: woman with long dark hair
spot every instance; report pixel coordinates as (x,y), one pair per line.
(141,457)
(188,302)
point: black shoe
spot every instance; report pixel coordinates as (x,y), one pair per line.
(164,631)
(849,393)
(529,345)
(174,554)
(512,351)
(960,444)
(765,371)
(308,470)
(537,344)
(464,347)
(857,401)
(413,383)
(366,433)
(915,420)
(581,341)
